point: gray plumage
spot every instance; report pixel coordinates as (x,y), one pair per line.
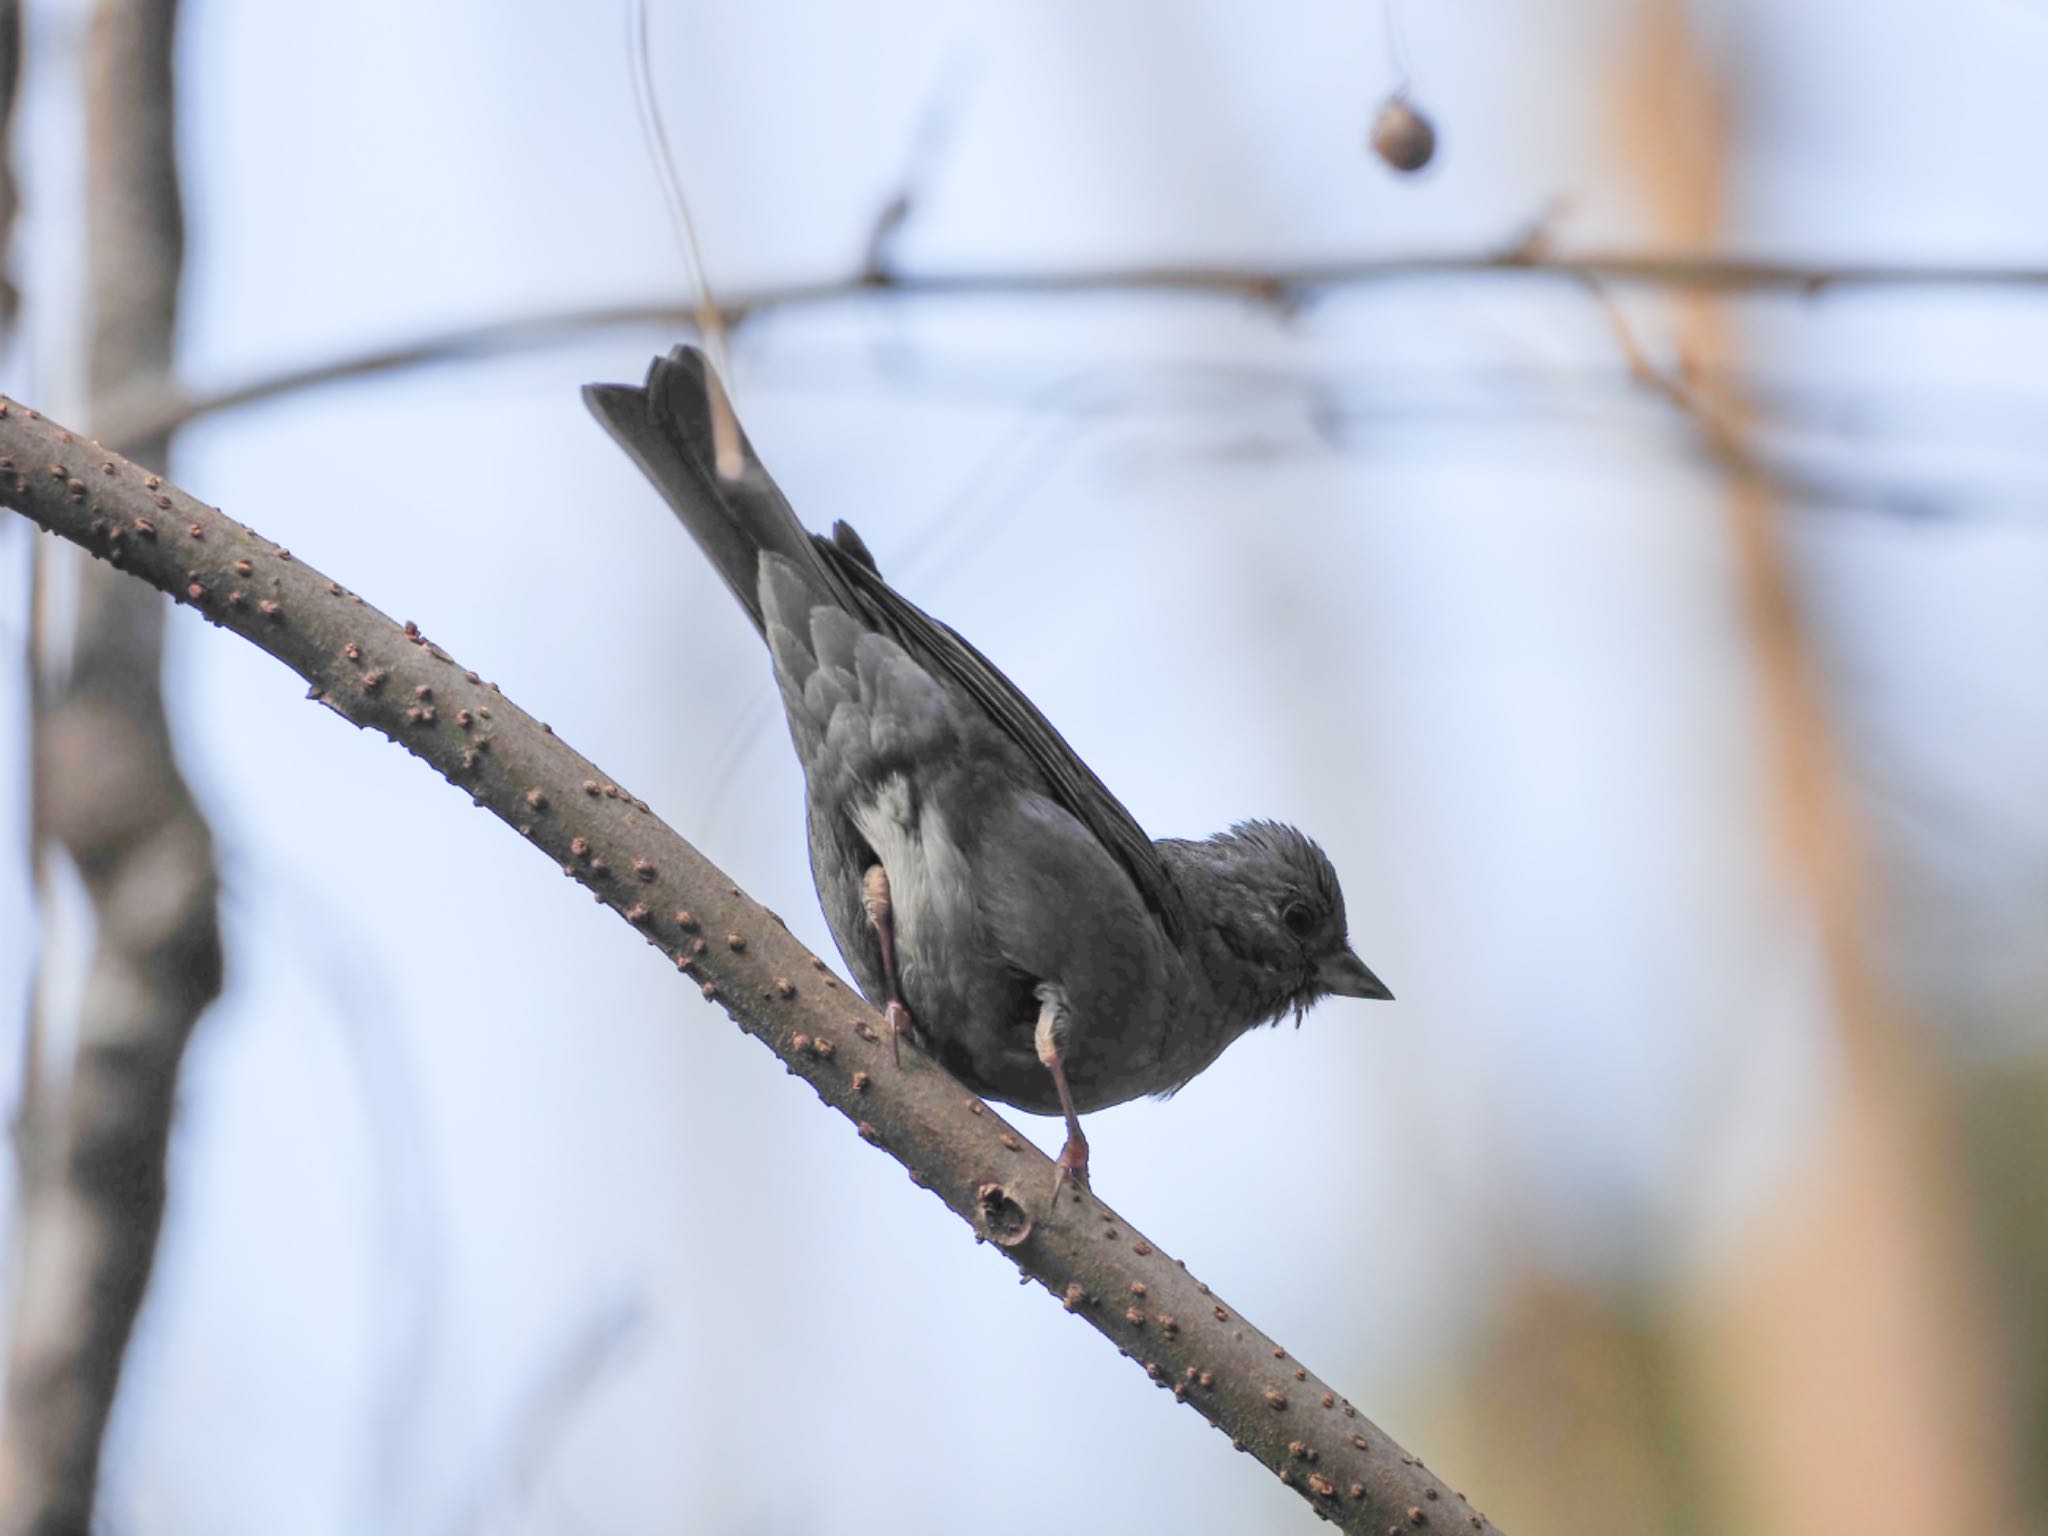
(1021,889)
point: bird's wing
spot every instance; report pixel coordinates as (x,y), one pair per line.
(861,709)
(1070,781)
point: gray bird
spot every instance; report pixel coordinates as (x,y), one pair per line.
(983,885)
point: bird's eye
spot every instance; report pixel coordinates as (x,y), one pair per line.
(1298,918)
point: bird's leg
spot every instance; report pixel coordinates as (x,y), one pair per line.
(1073,1158)
(874,895)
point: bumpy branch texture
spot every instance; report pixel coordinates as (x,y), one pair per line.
(374,673)
(108,790)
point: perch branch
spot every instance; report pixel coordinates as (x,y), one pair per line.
(377,675)
(162,405)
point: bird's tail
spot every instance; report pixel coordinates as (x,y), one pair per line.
(667,427)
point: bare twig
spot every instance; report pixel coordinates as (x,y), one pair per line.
(108,790)
(159,405)
(373,673)
(931,137)
(1717,429)
(725,428)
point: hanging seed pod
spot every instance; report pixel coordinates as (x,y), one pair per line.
(1403,137)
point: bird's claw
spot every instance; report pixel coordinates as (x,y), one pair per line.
(1072,1163)
(897,1017)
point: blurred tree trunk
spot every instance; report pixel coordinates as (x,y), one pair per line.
(1836,1376)
(2005,1133)
(10,191)
(1840,1356)
(1579,1377)
(109,793)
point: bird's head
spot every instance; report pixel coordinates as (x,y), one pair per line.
(1283,919)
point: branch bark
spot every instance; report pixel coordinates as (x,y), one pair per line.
(161,404)
(377,675)
(108,790)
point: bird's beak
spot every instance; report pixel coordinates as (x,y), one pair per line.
(1345,975)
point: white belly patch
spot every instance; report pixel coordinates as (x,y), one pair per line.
(929,888)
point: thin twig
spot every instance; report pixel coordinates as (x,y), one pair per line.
(162,405)
(373,673)
(931,140)
(725,428)
(1717,430)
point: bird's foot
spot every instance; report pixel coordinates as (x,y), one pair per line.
(1072,1163)
(897,1017)
(874,897)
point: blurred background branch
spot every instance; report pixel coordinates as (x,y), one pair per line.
(149,406)
(110,795)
